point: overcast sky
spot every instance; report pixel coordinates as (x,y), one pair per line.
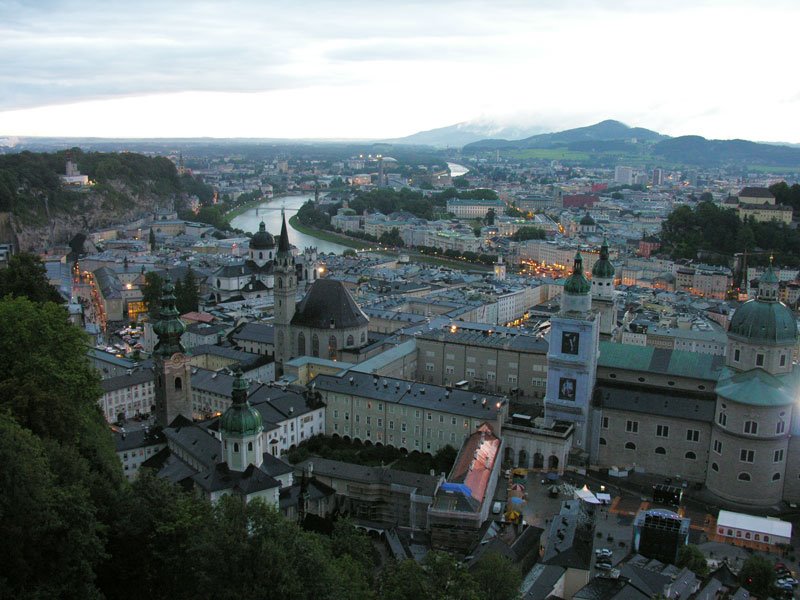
(352,69)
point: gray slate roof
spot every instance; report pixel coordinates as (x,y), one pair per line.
(417,395)
(328,303)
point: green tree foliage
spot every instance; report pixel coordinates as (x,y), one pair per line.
(52,539)
(187,296)
(460,182)
(757,576)
(490,216)
(440,577)
(26,277)
(708,227)
(349,252)
(691,557)
(55,431)
(152,240)
(151,293)
(497,577)
(392,238)
(529,233)
(513,211)
(787,195)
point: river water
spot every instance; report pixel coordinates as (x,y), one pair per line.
(270,213)
(457,170)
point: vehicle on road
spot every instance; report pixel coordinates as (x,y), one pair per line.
(497,508)
(603,552)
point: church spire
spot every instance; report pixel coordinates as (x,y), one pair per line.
(283,242)
(169,328)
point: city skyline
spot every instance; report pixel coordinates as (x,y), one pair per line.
(361,70)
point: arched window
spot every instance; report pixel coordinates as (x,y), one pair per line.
(280,283)
(363,337)
(332,349)
(178,383)
(776,477)
(350,341)
(602,441)
(218,283)
(235,447)
(661,450)
(744,476)
(314,345)
(630,446)
(715,467)
(691,455)
(301,344)
(249,446)
(260,255)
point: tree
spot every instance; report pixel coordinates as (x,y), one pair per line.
(392,238)
(490,216)
(448,579)
(497,577)
(151,293)
(188,300)
(349,252)
(758,576)
(26,277)
(152,240)
(529,233)
(691,557)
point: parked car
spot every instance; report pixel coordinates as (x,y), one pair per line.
(790,580)
(603,552)
(603,566)
(497,508)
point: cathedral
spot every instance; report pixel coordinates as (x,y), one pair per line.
(255,276)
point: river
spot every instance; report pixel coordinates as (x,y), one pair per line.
(270,213)
(457,170)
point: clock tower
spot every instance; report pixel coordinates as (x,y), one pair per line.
(572,356)
(173,385)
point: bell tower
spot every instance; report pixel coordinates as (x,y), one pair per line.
(285,293)
(173,389)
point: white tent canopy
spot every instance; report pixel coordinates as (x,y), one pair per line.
(586,495)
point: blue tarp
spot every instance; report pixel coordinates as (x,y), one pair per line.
(517,501)
(457,487)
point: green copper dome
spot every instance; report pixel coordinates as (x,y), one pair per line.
(764,321)
(169,328)
(603,268)
(240,419)
(587,220)
(577,284)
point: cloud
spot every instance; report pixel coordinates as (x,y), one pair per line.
(343,66)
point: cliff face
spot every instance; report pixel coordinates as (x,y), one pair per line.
(96,209)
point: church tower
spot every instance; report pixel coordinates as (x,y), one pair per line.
(172,367)
(240,427)
(572,357)
(285,292)
(603,297)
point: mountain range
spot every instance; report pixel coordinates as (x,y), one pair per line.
(613,141)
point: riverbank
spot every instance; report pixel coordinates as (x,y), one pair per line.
(344,240)
(329,236)
(235,212)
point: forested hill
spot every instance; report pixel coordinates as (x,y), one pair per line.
(124,184)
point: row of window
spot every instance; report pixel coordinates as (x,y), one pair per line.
(659,450)
(759,358)
(643,380)
(744,475)
(750,427)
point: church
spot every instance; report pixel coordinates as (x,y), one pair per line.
(230,455)
(728,423)
(254,277)
(324,323)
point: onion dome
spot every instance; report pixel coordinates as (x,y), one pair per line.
(169,328)
(765,319)
(603,268)
(577,284)
(587,220)
(262,240)
(240,419)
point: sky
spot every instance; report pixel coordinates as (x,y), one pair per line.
(379,69)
